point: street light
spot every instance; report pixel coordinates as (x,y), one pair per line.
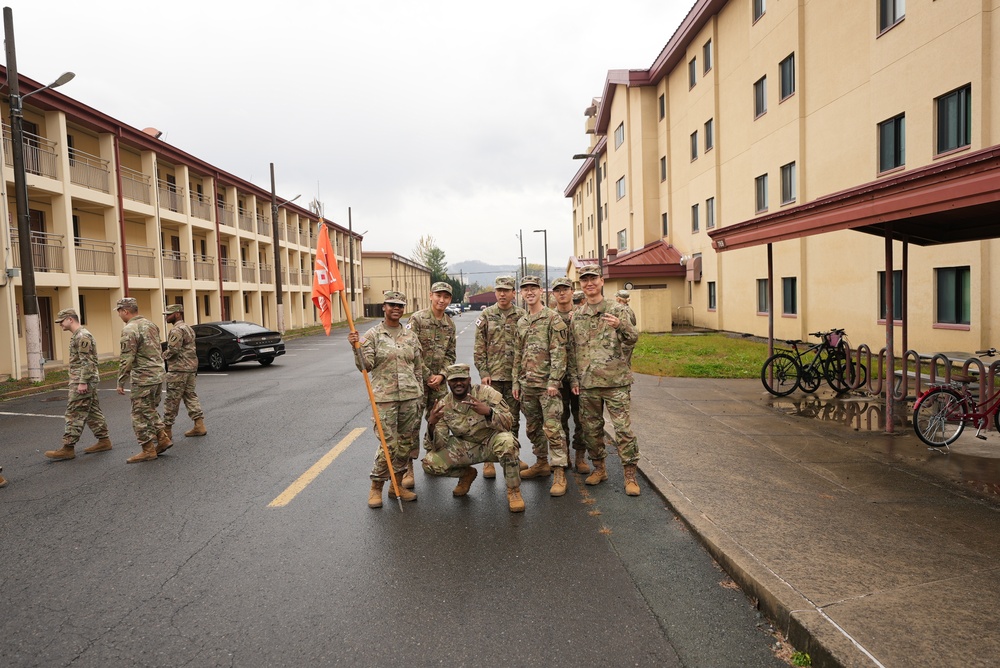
(545,235)
(32,328)
(279,301)
(597,166)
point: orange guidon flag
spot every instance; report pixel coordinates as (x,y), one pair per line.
(326,278)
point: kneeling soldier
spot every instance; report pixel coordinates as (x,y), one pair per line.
(472,425)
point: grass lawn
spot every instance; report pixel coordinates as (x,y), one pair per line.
(712,355)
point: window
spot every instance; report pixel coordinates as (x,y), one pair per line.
(788,183)
(692,72)
(760,97)
(619,135)
(694,218)
(709,134)
(892,143)
(759,7)
(953,295)
(706,56)
(694,145)
(208,306)
(712,301)
(710,213)
(622,239)
(897,295)
(789,306)
(620,187)
(786,76)
(663,168)
(663,107)
(763,302)
(83,309)
(663,223)
(760,188)
(954,119)
(890,12)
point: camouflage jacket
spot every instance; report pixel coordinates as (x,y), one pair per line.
(141,358)
(466,424)
(394,361)
(181,354)
(601,359)
(570,379)
(495,340)
(540,350)
(631,313)
(83,358)
(437,340)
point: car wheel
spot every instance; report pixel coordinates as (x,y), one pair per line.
(266,361)
(216,362)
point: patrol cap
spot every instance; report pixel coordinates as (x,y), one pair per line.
(457,371)
(578,296)
(441,286)
(173,308)
(531,280)
(127,303)
(393,297)
(622,293)
(505,282)
(590,270)
(562,282)
(66,313)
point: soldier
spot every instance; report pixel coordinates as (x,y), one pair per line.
(141,361)
(622,298)
(83,407)
(472,425)
(539,368)
(494,351)
(181,360)
(391,353)
(601,330)
(436,332)
(562,288)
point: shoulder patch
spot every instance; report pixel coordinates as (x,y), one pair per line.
(479,321)
(409,325)
(362,340)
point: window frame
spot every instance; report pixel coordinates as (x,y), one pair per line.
(760,97)
(789,296)
(788,185)
(663,106)
(709,134)
(692,72)
(695,218)
(890,13)
(622,239)
(897,295)
(786,79)
(962,294)
(665,224)
(694,146)
(706,57)
(619,135)
(663,168)
(710,213)
(963,120)
(897,126)
(713,299)
(620,188)
(760,193)
(763,297)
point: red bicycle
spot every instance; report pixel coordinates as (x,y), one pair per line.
(941,413)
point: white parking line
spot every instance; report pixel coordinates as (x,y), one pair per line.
(57,417)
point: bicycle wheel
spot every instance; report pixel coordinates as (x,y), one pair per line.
(809,378)
(938,417)
(835,371)
(780,374)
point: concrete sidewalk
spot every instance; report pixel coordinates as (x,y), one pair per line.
(867,549)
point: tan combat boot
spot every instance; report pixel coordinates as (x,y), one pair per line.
(101,445)
(163,442)
(581,462)
(169,430)
(65,452)
(408,482)
(148,453)
(514,500)
(540,469)
(465,482)
(631,486)
(198,429)
(558,482)
(404,494)
(599,475)
(375,494)
(489,470)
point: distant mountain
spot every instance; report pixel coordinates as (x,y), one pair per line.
(484,274)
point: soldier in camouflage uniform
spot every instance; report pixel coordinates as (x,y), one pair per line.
(494,351)
(472,425)
(562,289)
(436,332)
(601,330)
(181,360)
(622,297)
(539,368)
(83,407)
(391,353)
(141,362)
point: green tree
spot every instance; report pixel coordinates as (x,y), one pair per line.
(427,253)
(457,290)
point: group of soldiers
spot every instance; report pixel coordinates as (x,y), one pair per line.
(550,364)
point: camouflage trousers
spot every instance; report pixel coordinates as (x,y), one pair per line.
(145,419)
(618,402)
(180,387)
(571,406)
(506,388)
(401,426)
(458,455)
(431,397)
(543,422)
(83,409)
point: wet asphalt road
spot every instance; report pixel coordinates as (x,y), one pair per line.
(181,561)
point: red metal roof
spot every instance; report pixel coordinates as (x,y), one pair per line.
(657,258)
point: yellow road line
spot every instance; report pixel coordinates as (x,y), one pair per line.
(292,490)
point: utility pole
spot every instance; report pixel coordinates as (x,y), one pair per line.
(350,240)
(277,257)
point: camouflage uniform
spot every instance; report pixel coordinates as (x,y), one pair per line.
(397,376)
(494,354)
(570,401)
(181,359)
(83,408)
(437,348)
(540,364)
(141,362)
(463,437)
(631,316)
(604,377)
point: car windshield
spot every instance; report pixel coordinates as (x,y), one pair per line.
(244,328)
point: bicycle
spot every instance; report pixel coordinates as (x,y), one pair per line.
(941,413)
(785,371)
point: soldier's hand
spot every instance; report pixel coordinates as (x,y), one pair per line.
(485,380)
(353,337)
(82,388)
(576,391)
(516,394)
(121,390)
(435,381)
(480,407)
(552,391)
(612,320)
(436,414)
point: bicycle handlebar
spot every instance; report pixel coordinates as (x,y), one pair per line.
(988,353)
(836,330)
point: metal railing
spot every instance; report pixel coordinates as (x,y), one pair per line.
(171,196)
(204,268)
(293,276)
(40,156)
(141,261)
(94,256)
(89,171)
(201,206)
(290,233)
(46,251)
(226,213)
(266,273)
(249,273)
(245,220)
(136,186)
(229,269)
(174,264)
(263,225)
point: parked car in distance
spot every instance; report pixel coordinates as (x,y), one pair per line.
(220,344)
(453,309)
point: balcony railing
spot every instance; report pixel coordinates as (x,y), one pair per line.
(40,155)
(266,273)
(136,186)
(245,220)
(229,269)
(204,268)
(249,272)
(89,171)
(226,213)
(289,232)
(174,264)
(171,197)
(141,261)
(263,225)
(307,276)
(46,251)
(94,256)
(201,206)
(293,276)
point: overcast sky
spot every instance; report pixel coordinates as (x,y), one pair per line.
(456,119)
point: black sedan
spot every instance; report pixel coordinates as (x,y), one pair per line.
(220,344)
